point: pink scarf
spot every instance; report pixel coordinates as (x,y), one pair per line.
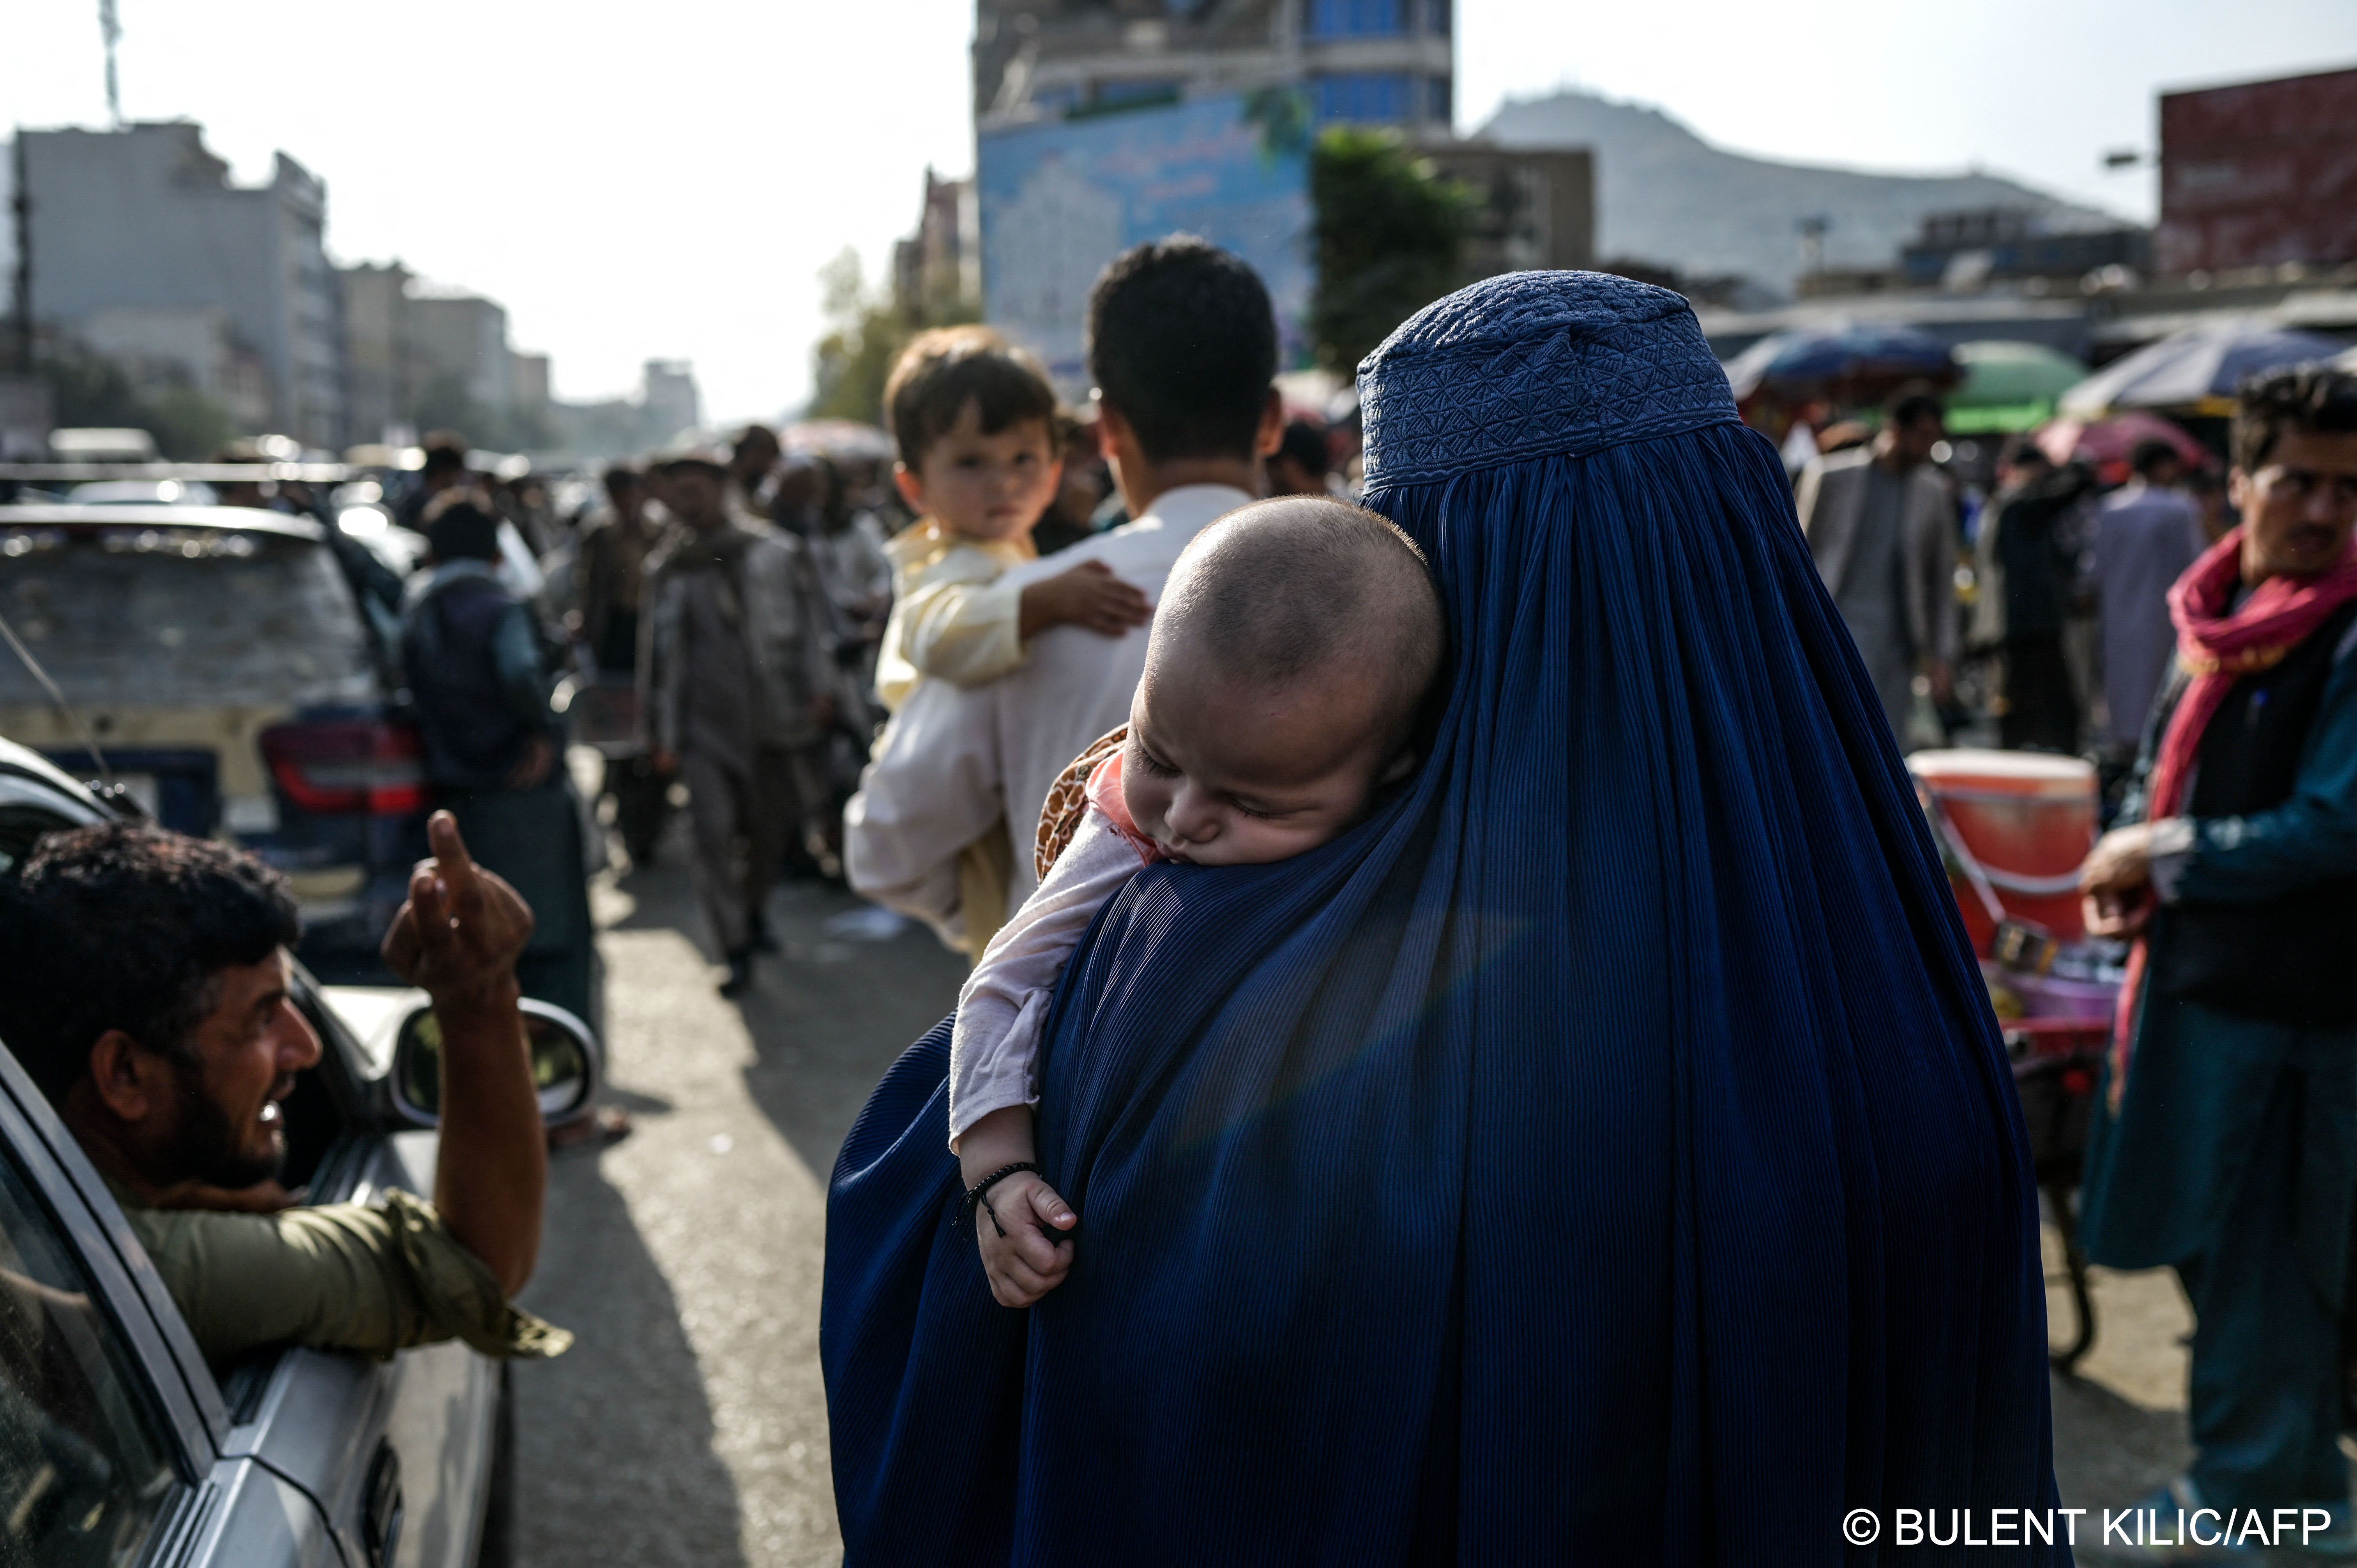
(2217,649)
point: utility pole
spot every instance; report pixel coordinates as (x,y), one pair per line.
(21,204)
(111,29)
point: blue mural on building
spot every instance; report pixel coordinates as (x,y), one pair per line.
(1061,197)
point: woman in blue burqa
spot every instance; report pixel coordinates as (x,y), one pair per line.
(1603,1154)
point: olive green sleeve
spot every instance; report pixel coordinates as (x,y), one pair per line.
(342,1276)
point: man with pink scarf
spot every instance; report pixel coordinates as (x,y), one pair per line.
(2226,1143)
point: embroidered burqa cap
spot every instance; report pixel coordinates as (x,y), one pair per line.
(1603,1154)
(1535,365)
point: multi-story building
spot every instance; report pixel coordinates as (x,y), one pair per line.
(669,405)
(381,371)
(2009,244)
(463,338)
(939,268)
(1092,122)
(410,347)
(530,395)
(1537,207)
(192,345)
(1387,62)
(137,237)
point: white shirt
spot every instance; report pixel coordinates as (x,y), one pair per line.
(1003,1010)
(957,761)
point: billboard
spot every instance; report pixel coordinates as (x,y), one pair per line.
(1061,197)
(2260,173)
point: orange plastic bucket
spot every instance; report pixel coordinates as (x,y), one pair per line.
(2013,826)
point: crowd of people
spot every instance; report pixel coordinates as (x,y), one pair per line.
(2216,691)
(763,610)
(1470,1051)
(2060,602)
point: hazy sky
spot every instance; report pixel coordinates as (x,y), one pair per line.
(667,179)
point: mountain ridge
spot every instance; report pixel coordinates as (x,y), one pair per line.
(1665,196)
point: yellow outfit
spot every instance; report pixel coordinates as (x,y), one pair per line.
(953,620)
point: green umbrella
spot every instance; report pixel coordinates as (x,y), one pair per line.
(2009,386)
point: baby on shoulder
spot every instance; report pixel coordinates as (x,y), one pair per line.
(1291,657)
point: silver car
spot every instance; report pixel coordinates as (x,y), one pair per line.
(119,1445)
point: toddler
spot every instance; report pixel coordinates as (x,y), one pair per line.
(975,420)
(1291,657)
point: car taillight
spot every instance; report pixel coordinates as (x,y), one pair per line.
(348,766)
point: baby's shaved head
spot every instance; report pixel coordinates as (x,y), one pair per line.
(1305,587)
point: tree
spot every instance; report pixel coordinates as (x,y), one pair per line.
(867,330)
(91,390)
(187,425)
(1389,232)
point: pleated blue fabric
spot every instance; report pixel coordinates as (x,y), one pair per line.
(1604,1154)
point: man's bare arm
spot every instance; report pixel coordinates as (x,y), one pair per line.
(457,939)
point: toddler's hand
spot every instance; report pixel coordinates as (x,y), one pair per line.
(1035,1253)
(1089,597)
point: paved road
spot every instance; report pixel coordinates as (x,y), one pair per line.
(688,1426)
(2119,1425)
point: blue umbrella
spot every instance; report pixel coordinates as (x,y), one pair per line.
(2196,371)
(1856,351)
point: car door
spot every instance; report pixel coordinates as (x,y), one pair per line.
(394,1460)
(398,1453)
(398,1457)
(113,1442)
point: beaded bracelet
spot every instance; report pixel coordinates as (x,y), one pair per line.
(973,1194)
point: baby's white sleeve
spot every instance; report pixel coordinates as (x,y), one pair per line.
(994,1047)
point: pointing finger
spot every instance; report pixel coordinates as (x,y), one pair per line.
(430,905)
(454,864)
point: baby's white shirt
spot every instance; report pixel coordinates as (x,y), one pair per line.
(1003,1010)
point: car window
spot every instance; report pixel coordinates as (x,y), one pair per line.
(83,1476)
(19,826)
(166,617)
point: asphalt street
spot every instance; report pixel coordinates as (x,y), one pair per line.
(688,1425)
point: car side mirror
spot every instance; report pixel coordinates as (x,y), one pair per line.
(567,1064)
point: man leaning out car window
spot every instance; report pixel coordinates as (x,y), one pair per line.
(144,985)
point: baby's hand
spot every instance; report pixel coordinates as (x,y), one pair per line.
(1090,596)
(1035,1253)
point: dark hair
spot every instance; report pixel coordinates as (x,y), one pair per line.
(1075,438)
(126,925)
(2020,450)
(2150,455)
(749,435)
(1914,405)
(942,370)
(834,496)
(446,452)
(462,525)
(1182,341)
(2312,400)
(622,477)
(1294,584)
(1304,446)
